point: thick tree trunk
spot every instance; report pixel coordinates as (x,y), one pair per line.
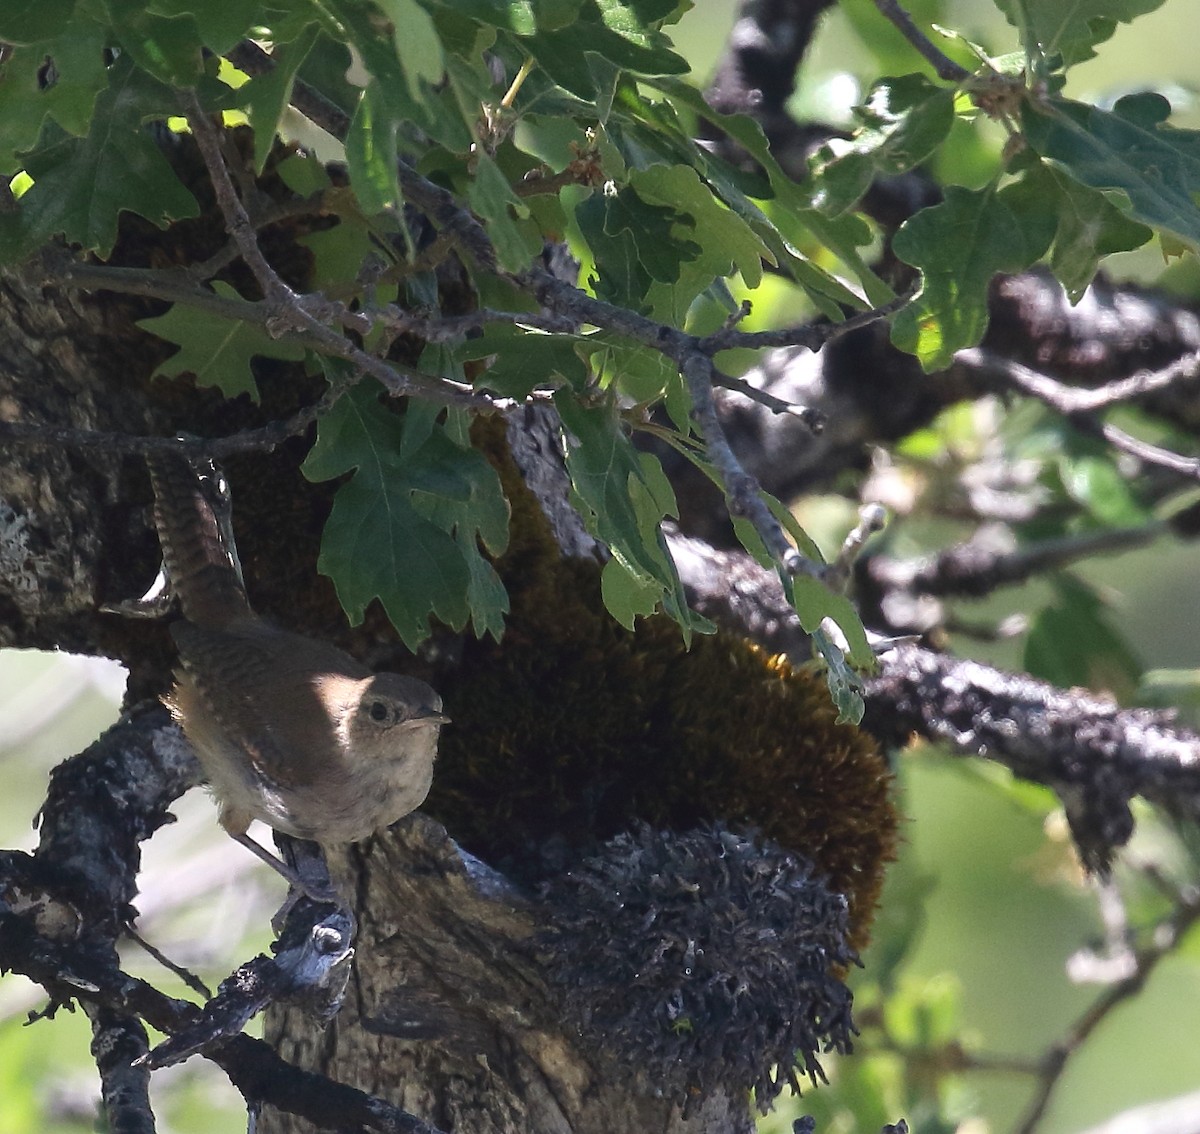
(454,1011)
(449,1015)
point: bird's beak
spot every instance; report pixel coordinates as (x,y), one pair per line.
(426,715)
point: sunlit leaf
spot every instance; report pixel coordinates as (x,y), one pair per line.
(1128,148)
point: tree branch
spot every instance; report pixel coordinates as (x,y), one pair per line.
(62,908)
(899,595)
(1068,402)
(945,67)
(1094,754)
(1162,941)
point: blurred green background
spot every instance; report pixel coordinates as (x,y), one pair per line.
(983,909)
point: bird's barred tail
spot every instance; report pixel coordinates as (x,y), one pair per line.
(191,512)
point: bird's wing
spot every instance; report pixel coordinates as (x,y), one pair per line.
(261,685)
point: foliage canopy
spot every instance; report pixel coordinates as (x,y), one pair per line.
(545,121)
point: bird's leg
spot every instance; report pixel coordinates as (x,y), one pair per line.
(314,890)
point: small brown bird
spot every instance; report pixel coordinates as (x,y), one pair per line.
(290,730)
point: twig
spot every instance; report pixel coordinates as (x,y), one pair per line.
(811,335)
(1151,454)
(118,1041)
(83,870)
(1067,400)
(175,286)
(457,328)
(311,959)
(1078,399)
(189,978)
(1163,940)
(472,242)
(293,312)
(237,220)
(251,1065)
(945,67)
(814,419)
(979,566)
(741,489)
(275,213)
(871,519)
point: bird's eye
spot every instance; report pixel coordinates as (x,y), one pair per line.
(379,711)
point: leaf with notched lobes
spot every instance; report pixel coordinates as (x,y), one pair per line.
(76,60)
(903,121)
(216,350)
(1087,225)
(959,246)
(81,185)
(623,496)
(405,528)
(1069,28)
(28,21)
(1130,149)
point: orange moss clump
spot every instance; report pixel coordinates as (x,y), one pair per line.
(573,729)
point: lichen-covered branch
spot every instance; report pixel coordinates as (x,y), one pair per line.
(62,909)
(1094,754)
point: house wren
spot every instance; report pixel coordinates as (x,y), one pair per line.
(290,730)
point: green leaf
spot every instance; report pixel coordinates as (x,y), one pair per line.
(726,243)
(76,61)
(641,375)
(417,43)
(516,238)
(340,252)
(632,243)
(449,114)
(1088,226)
(362,26)
(222,24)
(371,153)
(551,14)
(1094,481)
(405,528)
(168,47)
(904,121)
(217,350)
(521,360)
(1070,27)
(606,29)
(325,69)
(845,686)
(265,97)
(627,595)
(959,245)
(516,16)
(304,174)
(81,185)
(30,21)
(1073,642)
(814,602)
(623,496)
(1127,149)
(794,219)
(400,67)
